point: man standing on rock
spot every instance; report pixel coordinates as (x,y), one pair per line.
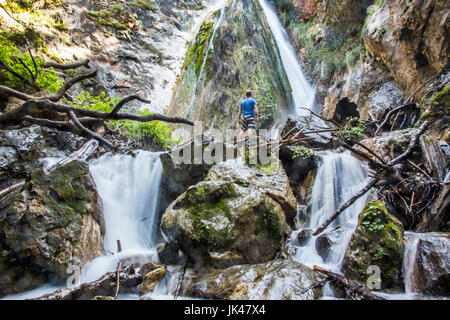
(249,111)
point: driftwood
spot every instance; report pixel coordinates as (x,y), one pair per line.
(105,286)
(353,288)
(6,194)
(81,154)
(373,181)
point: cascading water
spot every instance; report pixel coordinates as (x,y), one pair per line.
(303,94)
(129,189)
(339,177)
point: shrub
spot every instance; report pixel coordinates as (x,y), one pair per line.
(301,152)
(11,56)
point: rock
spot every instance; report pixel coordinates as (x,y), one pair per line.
(411,57)
(222,223)
(56,223)
(273,280)
(377,240)
(180,174)
(316,140)
(388,145)
(103,298)
(330,241)
(303,236)
(148,267)
(270,179)
(213,81)
(432,267)
(22,151)
(168,253)
(151,280)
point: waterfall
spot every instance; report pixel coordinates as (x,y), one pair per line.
(303,94)
(339,177)
(129,189)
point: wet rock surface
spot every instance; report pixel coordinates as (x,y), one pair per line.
(221,224)
(377,240)
(55,224)
(432,266)
(274,280)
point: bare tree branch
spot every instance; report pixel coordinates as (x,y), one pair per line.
(75,65)
(68,84)
(125,100)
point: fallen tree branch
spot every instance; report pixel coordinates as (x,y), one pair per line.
(104,286)
(389,115)
(125,100)
(352,287)
(90,133)
(68,84)
(374,180)
(81,154)
(74,65)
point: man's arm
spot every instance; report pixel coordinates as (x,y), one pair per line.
(256,113)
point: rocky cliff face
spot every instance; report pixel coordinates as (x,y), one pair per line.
(233,51)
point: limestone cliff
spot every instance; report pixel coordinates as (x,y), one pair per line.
(233,51)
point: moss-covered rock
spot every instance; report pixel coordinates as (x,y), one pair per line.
(151,280)
(57,222)
(377,240)
(270,179)
(221,224)
(273,280)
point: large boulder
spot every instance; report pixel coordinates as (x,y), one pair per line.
(270,179)
(56,223)
(377,240)
(222,223)
(274,280)
(432,265)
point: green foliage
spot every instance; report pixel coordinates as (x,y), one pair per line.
(371,217)
(144,5)
(375,7)
(117,7)
(301,152)
(11,56)
(353,130)
(159,133)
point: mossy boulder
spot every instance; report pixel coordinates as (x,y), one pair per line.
(273,280)
(221,224)
(57,222)
(151,280)
(377,240)
(271,179)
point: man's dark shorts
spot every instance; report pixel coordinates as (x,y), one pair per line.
(248,123)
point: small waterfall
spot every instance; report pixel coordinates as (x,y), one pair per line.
(303,94)
(339,177)
(129,189)
(202,69)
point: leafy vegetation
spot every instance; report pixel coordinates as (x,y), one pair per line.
(301,152)
(144,5)
(23,64)
(156,132)
(353,130)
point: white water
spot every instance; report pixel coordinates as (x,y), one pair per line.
(303,94)
(129,189)
(339,177)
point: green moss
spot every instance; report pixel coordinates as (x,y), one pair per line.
(379,238)
(197,51)
(270,222)
(144,4)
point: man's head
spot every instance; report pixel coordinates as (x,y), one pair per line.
(248,93)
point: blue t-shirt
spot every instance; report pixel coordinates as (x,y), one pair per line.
(247,107)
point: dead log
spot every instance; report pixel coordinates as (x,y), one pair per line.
(353,288)
(105,286)
(81,154)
